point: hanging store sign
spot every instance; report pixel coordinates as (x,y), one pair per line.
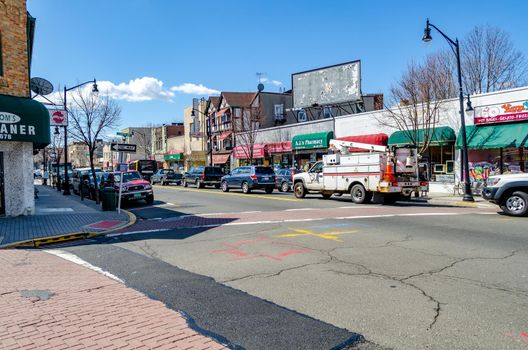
(58,117)
(503,113)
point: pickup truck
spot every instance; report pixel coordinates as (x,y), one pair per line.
(202,176)
(509,191)
(166,177)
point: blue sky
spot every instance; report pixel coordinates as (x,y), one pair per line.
(137,45)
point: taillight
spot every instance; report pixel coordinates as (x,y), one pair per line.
(203,177)
(274,178)
(254,177)
(423,183)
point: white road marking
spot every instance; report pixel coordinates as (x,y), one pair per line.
(245,223)
(76,260)
(300,209)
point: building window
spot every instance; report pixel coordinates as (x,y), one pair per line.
(327,112)
(301,116)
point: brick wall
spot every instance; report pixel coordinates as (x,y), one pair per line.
(13,34)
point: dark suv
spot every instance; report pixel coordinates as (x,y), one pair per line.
(249,178)
(202,176)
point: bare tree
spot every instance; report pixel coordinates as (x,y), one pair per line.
(246,126)
(90,116)
(417,98)
(490,62)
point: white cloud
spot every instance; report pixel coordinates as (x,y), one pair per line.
(271,81)
(194,89)
(137,90)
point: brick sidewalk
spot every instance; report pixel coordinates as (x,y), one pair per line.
(47,302)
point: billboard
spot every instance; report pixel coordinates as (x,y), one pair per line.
(327,85)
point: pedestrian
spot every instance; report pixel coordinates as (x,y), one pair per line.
(45,176)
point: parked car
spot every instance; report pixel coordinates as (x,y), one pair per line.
(202,176)
(166,177)
(284,181)
(134,187)
(78,174)
(510,192)
(250,178)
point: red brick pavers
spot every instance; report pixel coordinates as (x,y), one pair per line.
(87,311)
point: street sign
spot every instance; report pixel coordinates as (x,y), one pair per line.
(124,134)
(58,117)
(123,147)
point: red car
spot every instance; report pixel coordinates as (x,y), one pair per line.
(134,187)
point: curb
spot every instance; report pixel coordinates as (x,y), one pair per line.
(455,204)
(68,237)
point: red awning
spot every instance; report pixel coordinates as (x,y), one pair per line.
(279,147)
(221,112)
(224,135)
(372,139)
(220,158)
(242,151)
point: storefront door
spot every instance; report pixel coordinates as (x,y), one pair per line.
(2,195)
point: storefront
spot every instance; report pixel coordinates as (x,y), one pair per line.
(173,161)
(243,154)
(439,157)
(498,141)
(310,148)
(195,158)
(24,126)
(280,154)
(222,160)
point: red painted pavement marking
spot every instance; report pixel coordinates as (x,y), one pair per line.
(106,224)
(235,249)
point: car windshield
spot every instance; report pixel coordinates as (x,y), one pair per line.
(264,170)
(127,176)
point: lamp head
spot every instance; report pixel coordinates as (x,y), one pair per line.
(427,33)
(95,90)
(192,113)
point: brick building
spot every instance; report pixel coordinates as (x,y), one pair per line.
(24,123)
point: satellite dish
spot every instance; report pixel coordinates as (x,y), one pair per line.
(40,86)
(260,87)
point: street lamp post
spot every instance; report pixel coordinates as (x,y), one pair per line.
(455,46)
(208,134)
(66,176)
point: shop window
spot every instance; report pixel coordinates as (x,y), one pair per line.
(327,112)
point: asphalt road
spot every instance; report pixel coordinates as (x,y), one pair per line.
(404,276)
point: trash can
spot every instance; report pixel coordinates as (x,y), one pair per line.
(109,200)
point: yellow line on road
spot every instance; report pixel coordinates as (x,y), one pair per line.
(231,194)
(325,235)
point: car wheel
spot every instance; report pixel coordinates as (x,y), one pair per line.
(298,190)
(149,199)
(359,194)
(185,183)
(245,187)
(152,182)
(199,184)
(285,187)
(516,204)
(326,195)
(269,190)
(163,183)
(225,186)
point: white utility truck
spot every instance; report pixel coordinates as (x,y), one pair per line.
(389,174)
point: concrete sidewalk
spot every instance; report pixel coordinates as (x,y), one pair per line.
(48,302)
(58,215)
(444,199)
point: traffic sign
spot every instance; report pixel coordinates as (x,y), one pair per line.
(123,147)
(58,117)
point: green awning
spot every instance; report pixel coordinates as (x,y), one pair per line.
(172,157)
(495,136)
(24,119)
(441,136)
(311,141)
